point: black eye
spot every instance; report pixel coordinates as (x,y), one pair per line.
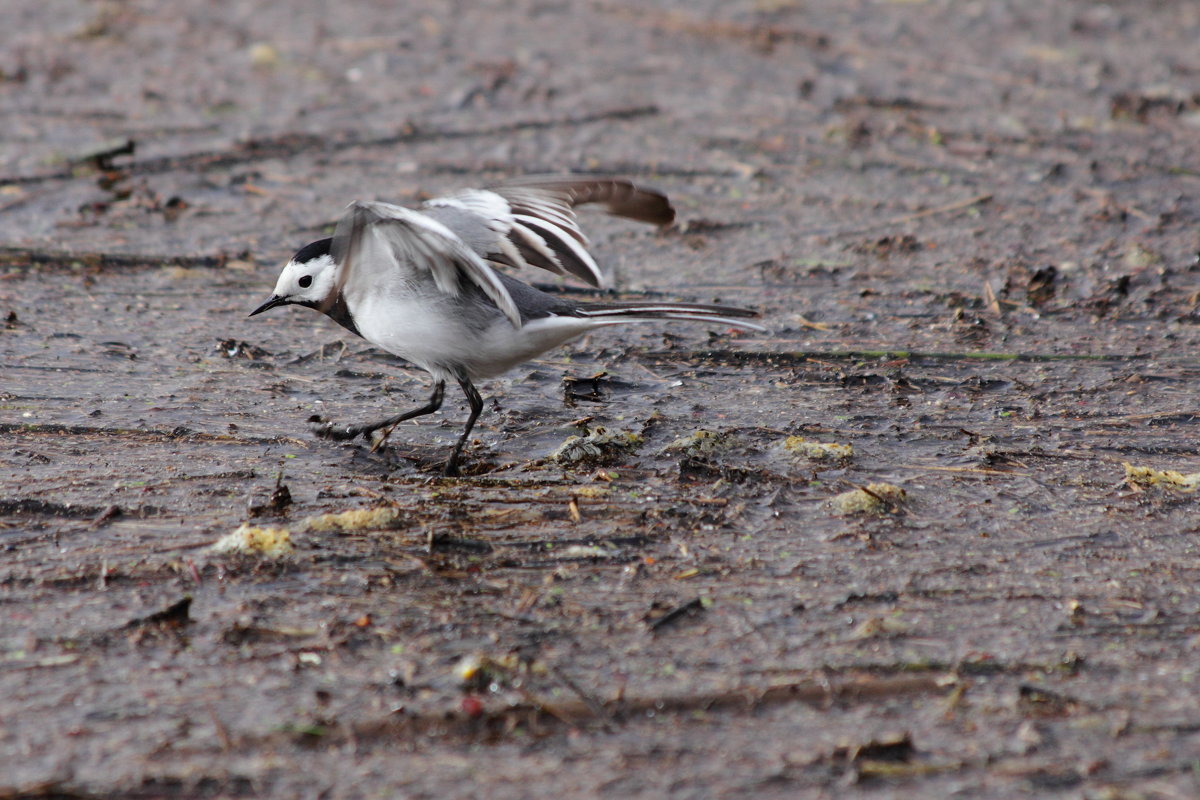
(305,281)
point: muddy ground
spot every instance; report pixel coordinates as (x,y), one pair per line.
(971,227)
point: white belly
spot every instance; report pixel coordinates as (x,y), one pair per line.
(505,347)
(431,333)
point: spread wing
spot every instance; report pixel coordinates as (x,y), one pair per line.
(531,222)
(376,241)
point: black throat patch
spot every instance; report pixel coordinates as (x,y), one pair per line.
(338,311)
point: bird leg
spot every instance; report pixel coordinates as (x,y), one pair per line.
(328,430)
(476,403)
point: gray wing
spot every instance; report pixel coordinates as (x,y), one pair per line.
(531,222)
(374,241)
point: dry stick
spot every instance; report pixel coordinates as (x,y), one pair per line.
(290,144)
(677,613)
(1138,417)
(30,256)
(53,429)
(967,469)
(596,168)
(813,693)
(681,22)
(900,220)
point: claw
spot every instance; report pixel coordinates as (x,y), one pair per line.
(380,442)
(326,430)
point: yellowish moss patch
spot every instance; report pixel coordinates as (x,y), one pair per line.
(874,498)
(818,451)
(1147,477)
(253,540)
(362,519)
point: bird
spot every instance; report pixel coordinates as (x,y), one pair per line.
(426,284)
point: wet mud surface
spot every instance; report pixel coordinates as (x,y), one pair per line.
(972,230)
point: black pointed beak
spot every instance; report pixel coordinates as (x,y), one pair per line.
(275,300)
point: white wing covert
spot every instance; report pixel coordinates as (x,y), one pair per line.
(374,238)
(532,220)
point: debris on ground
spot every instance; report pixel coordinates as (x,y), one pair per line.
(698,443)
(252,540)
(598,446)
(876,627)
(482,672)
(276,502)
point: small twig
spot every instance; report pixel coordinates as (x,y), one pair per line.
(175,614)
(990,299)
(222,732)
(594,706)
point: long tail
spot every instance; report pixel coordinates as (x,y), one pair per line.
(620,197)
(619,313)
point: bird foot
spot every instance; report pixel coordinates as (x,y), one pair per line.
(325,429)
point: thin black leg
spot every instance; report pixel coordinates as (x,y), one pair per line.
(343,433)
(476,407)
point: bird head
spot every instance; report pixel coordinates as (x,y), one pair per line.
(308,279)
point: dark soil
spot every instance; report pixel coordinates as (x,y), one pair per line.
(971,226)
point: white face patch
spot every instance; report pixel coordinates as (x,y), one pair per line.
(308,282)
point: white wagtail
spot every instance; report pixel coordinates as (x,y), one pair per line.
(421,284)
